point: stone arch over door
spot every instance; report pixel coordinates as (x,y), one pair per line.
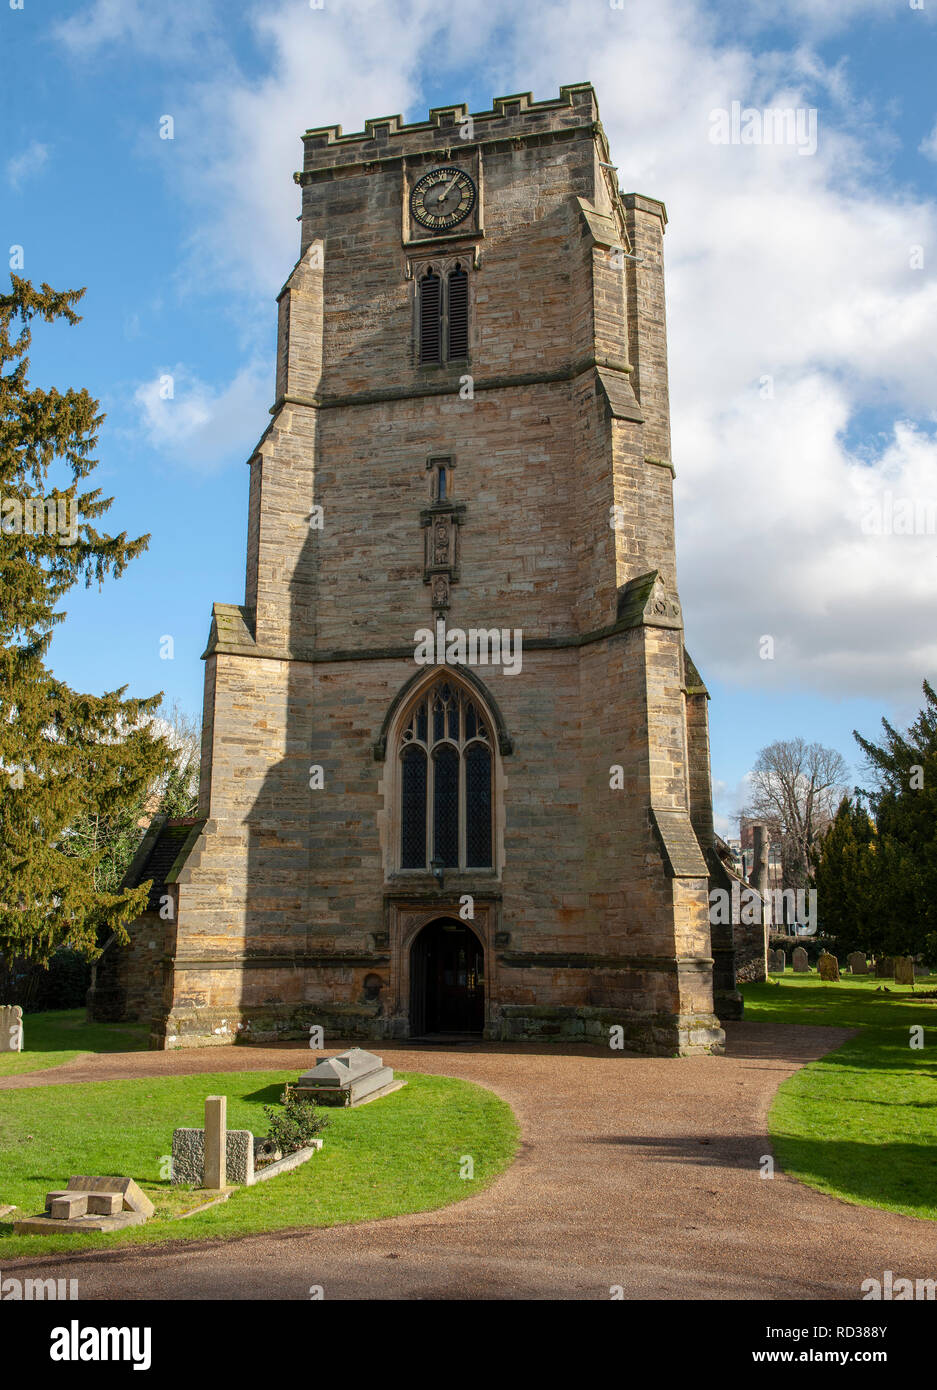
(446,978)
(408,917)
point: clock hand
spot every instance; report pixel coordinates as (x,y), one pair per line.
(448,188)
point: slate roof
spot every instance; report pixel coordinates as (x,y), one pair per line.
(164,847)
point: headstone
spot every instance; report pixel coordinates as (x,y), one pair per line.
(858,965)
(828,966)
(921,971)
(777,962)
(131,1196)
(216,1149)
(347,1079)
(90,1204)
(188,1157)
(800,961)
(904,970)
(11,1028)
(884,968)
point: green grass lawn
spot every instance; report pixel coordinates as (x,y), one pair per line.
(860,1123)
(401,1153)
(53,1038)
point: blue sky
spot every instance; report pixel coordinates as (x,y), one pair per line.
(791,270)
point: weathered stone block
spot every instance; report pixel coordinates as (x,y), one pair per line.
(11,1028)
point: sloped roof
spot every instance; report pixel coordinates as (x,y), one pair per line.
(163,850)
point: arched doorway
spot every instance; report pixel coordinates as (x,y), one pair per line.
(447,980)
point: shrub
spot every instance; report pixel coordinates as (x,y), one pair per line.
(295,1124)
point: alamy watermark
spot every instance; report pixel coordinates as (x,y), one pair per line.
(40,516)
(889,1289)
(743,906)
(478,646)
(772,125)
(36,1290)
(889,515)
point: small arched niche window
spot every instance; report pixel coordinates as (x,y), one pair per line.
(446,773)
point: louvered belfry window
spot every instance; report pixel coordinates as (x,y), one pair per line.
(430,317)
(458,313)
(446,781)
(443,314)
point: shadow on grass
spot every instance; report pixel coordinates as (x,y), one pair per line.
(267,1095)
(898,1176)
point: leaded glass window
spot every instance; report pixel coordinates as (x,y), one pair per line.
(413,808)
(446,805)
(446,781)
(478,806)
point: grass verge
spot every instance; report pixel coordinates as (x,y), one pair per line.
(402,1153)
(859,1123)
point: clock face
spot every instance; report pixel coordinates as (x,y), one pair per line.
(442,198)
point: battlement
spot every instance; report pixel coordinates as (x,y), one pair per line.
(389,137)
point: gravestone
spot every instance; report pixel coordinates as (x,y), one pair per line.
(800,961)
(777,962)
(216,1152)
(828,966)
(921,971)
(11,1028)
(858,965)
(90,1204)
(348,1079)
(884,968)
(904,970)
(188,1157)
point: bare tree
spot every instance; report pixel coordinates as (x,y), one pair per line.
(796,789)
(176,794)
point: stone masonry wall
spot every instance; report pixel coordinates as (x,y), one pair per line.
(288,905)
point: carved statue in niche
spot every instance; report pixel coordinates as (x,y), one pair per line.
(441,541)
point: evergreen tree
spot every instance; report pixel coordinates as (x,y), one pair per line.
(64,756)
(845,866)
(904,804)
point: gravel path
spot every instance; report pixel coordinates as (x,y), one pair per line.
(636,1172)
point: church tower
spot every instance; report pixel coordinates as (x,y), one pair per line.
(455,772)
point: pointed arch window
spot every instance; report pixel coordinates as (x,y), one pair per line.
(446,805)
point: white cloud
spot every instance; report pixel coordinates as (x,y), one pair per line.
(799,270)
(31,161)
(200,426)
(928,145)
(166,31)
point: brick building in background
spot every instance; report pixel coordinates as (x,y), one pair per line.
(471,425)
